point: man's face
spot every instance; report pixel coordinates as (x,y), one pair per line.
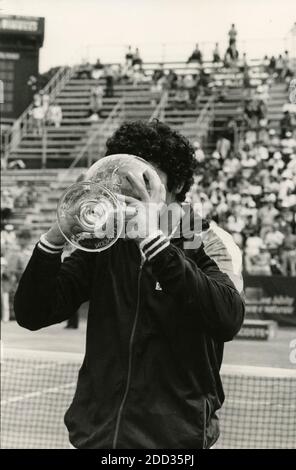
(170,195)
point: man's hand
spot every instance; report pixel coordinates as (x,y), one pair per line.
(144,218)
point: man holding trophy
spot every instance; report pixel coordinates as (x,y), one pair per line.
(164,296)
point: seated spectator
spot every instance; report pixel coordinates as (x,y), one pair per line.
(273,143)
(199,153)
(109,75)
(279,67)
(8,237)
(275,266)
(288,255)
(252,249)
(98,70)
(158,73)
(274,239)
(172,80)
(260,152)
(267,214)
(216,54)
(231,55)
(155,92)
(259,265)
(243,64)
(231,165)
(96,101)
(37,100)
(182,98)
(266,63)
(286,124)
(5,286)
(54,115)
(7,204)
(138,75)
(249,229)
(38,115)
(85,71)
(272,65)
(288,143)
(129,57)
(286,185)
(196,56)
(136,58)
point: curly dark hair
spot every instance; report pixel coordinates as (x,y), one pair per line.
(159,144)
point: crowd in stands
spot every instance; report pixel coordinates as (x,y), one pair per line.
(248,187)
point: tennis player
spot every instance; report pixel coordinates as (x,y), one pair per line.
(159,315)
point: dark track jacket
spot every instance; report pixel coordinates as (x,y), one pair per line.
(150,377)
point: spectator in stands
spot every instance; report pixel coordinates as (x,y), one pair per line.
(273,142)
(109,91)
(274,239)
(37,100)
(155,92)
(5,285)
(252,249)
(182,98)
(199,153)
(231,55)
(216,54)
(287,185)
(272,65)
(232,34)
(279,67)
(288,256)
(129,56)
(137,58)
(158,73)
(54,115)
(196,56)
(266,64)
(243,66)
(260,263)
(172,80)
(138,75)
(96,102)
(21,195)
(8,237)
(286,124)
(288,144)
(18,255)
(85,70)
(267,214)
(7,205)
(98,70)
(38,116)
(44,101)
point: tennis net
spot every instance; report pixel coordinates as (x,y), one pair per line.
(37,388)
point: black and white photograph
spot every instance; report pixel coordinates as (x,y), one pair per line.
(148,227)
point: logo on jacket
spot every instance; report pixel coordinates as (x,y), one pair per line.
(158,286)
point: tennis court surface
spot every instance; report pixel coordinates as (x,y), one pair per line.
(38,386)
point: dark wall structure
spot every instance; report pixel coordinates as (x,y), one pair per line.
(21,37)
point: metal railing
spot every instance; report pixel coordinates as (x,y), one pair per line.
(159,111)
(23,124)
(99,133)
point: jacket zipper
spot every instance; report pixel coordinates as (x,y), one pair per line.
(130,359)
